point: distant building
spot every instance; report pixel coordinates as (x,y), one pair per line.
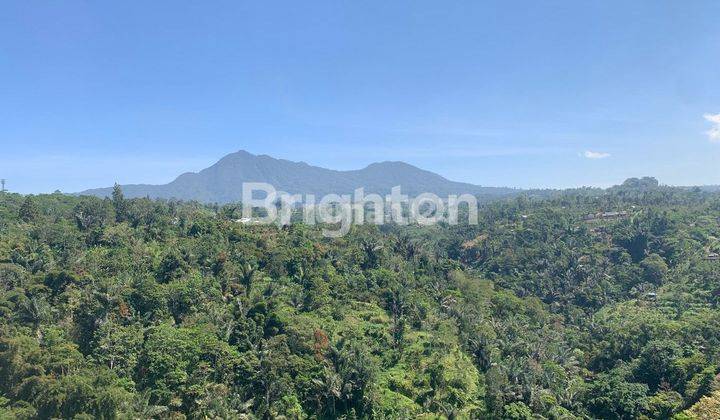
(614,215)
(610,215)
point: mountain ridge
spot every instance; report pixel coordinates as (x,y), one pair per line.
(222,181)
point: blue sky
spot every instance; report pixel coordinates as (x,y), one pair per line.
(507,93)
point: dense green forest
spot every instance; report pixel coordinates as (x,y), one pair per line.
(135,309)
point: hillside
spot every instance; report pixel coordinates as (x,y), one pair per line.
(146,309)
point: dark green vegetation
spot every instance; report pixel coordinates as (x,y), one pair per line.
(122,308)
(222,182)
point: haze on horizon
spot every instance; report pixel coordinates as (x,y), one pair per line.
(516,94)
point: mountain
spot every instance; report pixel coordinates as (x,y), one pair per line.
(222,182)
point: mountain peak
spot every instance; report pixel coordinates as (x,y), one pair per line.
(239,155)
(390,164)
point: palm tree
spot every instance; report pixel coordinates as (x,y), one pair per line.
(140,408)
(247,272)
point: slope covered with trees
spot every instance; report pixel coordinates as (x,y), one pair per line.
(118,308)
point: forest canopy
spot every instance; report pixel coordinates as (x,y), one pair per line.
(580,304)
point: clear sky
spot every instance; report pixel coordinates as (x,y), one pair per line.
(507,93)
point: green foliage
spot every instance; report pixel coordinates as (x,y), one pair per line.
(517,411)
(611,396)
(133,308)
(654,269)
(28,210)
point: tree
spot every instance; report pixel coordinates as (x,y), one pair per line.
(119,203)
(654,269)
(118,347)
(247,273)
(92,213)
(58,281)
(708,408)
(610,396)
(664,404)
(28,210)
(657,363)
(517,411)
